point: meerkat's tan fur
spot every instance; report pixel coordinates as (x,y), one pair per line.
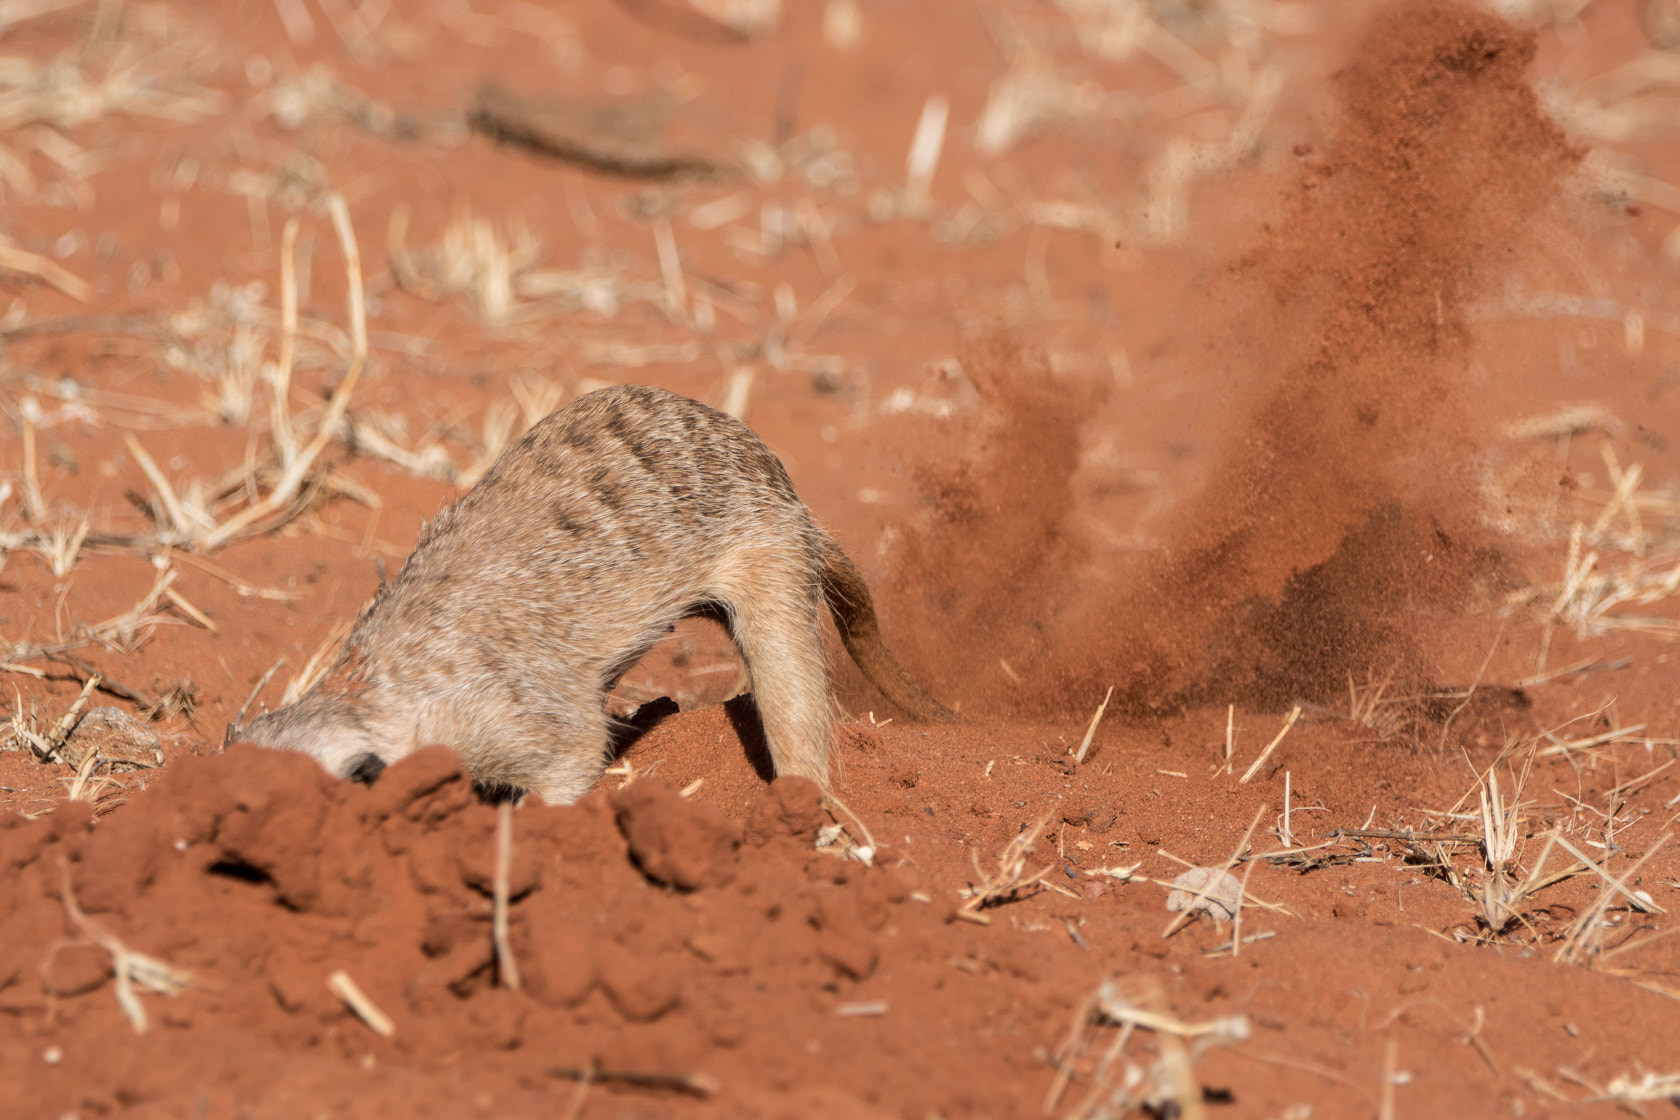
(528,598)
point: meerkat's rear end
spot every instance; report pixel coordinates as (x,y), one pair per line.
(529,597)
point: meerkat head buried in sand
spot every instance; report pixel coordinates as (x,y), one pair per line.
(528,598)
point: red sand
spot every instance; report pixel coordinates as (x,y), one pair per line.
(1244,469)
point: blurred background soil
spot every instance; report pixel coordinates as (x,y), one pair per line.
(1246,411)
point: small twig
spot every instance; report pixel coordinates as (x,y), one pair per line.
(1409,837)
(699,1084)
(497,119)
(244,588)
(1007,882)
(106,684)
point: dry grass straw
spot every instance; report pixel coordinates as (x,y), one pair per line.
(24,263)
(1569,747)
(194,516)
(858,843)
(1584,939)
(1254,767)
(318,664)
(1370,705)
(1091,731)
(376,435)
(131,969)
(281,389)
(1610,563)
(61,545)
(123,632)
(1009,880)
(32,499)
(1630,1090)
(1498,900)
(346,989)
(1501,893)
(48,746)
(925,148)
(1385,1092)
(238,722)
(1200,895)
(507,967)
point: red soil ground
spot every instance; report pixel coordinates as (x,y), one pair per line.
(1306,368)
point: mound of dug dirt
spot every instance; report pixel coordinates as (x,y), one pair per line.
(649,938)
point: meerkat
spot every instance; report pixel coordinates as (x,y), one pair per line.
(525,601)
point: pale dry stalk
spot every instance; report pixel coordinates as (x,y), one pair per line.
(1198,900)
(1254,767)
(131,969)
(1010,877)
(346,989)
(1091,731)
(506,966)
(293,474)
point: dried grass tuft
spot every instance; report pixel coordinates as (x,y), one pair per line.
(1164,1085)
(137,79)
(1008,881)
(472,260)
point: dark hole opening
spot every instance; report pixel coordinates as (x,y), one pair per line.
(244,872)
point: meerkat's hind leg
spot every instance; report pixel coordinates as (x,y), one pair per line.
(781,644)
(853,608)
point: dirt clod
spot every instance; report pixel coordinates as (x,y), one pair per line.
(677,842)
(790,807)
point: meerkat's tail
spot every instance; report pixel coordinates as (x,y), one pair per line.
(853,608)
